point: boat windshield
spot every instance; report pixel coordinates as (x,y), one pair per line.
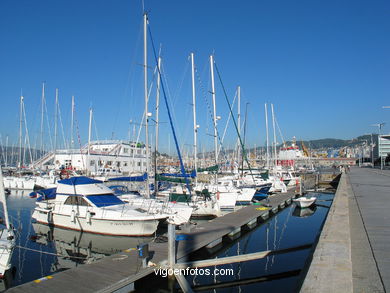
(104,200)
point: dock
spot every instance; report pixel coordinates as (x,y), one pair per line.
(119,272)
(352,254)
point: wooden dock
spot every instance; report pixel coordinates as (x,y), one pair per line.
(120,271)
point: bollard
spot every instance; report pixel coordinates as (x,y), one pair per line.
(171,245)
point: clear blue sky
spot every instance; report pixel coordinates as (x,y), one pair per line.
(325,65)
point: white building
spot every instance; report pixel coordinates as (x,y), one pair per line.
(122,157)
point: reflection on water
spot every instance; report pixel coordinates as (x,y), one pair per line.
(304,212)
(75,247)
(42,250)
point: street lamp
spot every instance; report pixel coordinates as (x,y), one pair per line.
(380,125)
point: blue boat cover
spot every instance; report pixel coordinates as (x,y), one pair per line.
(44,194)
(79,180)
(133,178)
(104,200)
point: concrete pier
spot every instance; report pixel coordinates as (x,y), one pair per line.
(352,254)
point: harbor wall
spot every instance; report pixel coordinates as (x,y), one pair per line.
(331,265)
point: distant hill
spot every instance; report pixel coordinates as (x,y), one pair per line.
(327,143)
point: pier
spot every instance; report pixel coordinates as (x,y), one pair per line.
(352,254)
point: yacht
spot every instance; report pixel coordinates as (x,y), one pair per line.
(85,204)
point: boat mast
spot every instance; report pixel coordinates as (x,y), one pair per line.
(194,114)
(214,113)
(273,125)
(239,124)
(20,131)
(71,125)
(157,125)
(242,159)
(42,115)
(6,152)
(266,130)
(89,141)
(146,103)
(55,124)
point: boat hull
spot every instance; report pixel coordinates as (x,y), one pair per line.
(96,225)
(305,202)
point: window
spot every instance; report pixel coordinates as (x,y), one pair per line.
(139,164)
(125,150)
(76,200)
(92,163)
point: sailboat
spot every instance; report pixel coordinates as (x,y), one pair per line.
(7,234)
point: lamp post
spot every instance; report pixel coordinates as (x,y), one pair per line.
(380,125)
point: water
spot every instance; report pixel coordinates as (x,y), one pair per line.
(42,251)
(292,227)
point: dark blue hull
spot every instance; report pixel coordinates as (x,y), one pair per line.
(262,192)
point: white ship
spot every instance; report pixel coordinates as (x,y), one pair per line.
(103,157)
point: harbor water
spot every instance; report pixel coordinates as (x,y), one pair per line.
(42,251)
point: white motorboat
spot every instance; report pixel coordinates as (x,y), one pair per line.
(179,213)
(85,204)
(203,203)
(15,182)
(7,234)
(305,202)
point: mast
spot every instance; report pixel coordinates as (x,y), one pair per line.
(89,141)
(71,125)
(20,132)
(273,125)
(6,152)
(239,122)
(266,130)
(194,116)
(157,125)
(42,114)
(146,103)
(55,124)
(246,117)
(214,110)
(158,100)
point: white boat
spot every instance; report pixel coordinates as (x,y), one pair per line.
(7,234)
(85,204)
(179,213)
(305,202)
(203,203)
(15,182)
